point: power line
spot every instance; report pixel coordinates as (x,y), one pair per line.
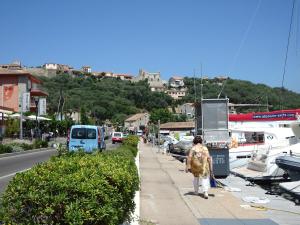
(286,54)
(245,37)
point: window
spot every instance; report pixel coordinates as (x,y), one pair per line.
(83,133)
(254,137)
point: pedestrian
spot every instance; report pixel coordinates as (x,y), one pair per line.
(199,163)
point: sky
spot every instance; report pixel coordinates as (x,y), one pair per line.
(242,39)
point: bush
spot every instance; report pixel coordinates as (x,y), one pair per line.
(5,149)
(26,146)
(40,144)
(96,188)
(131,142)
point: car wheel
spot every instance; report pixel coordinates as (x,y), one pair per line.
(113,142)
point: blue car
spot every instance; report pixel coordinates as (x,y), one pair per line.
(86,137)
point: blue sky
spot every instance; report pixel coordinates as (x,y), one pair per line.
(242,39)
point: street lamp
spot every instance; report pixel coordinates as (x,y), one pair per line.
(36,101)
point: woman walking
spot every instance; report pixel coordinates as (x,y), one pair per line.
(200,164)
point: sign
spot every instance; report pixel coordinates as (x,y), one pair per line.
(8,92)
(215,120)
(42,106)
(274,116)
(26,102)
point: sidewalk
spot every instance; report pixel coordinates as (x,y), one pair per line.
(167,197)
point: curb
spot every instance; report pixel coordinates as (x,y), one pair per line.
(25,152)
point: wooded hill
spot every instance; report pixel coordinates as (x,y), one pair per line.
(243,92)
(115,99)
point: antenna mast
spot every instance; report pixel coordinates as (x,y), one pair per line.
(195,86)
(201,84)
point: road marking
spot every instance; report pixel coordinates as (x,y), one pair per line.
(28,153)
(12,174)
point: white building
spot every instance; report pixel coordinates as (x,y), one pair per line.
(176,82)
(133,123)
(51,66)
(154,80)
(87,69)
(176,94)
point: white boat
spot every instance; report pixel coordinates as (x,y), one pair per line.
(291,163)
(291,187)
(248,140)
(260,131)
(262,164)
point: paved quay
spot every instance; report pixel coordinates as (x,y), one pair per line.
(167,198)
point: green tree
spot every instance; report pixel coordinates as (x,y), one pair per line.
(83,116)
(161,114)
(12,127)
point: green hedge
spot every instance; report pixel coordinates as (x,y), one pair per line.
(17,147)
(76,188)
(5,149)
(131,142)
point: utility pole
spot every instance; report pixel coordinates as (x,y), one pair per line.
(158,135)
(21,118)
(201,90)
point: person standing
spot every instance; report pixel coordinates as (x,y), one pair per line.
(199,163)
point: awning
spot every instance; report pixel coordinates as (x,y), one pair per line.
(32,117)
(17,116)
(38,92)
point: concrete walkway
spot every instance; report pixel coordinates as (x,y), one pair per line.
(167,198)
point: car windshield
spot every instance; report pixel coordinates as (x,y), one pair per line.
(117,134)
(83,133)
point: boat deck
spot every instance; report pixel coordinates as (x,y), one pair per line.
(292,187)
(253,175)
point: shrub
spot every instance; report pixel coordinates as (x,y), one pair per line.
(131,142)
(40,144)
(74,188)
(26,146)
(5,149)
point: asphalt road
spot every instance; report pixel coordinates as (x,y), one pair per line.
(10,165)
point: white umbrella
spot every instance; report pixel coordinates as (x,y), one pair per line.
(32,117)
(17,116)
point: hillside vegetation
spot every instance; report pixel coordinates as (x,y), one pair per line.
(115,99)
(111,98)
(243,92)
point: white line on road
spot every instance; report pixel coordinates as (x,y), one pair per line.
(12,174)
(27,153)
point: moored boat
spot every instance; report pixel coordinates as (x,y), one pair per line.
(291,164)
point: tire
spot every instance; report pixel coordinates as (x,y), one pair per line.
(113,142)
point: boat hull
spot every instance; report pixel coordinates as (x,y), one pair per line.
(291,165)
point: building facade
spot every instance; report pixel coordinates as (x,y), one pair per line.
(13,85)
(154,80)
(176,82)
(176,94)
(86,69)
(187,109)
(133,123)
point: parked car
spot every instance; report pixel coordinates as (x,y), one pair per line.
(117,137)
(86,137)
(139,133)
(181,148)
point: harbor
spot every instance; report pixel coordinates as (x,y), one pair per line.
(166,197)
